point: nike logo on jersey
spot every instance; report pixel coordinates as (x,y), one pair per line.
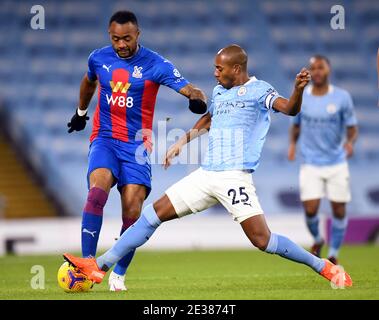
(92,233)
(106,68)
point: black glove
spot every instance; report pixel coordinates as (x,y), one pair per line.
(197,106)
(77,122)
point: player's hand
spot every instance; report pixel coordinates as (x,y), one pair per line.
(172,152)
(302,79)
(197,106)
(292,152)
(349,148)
(77,122)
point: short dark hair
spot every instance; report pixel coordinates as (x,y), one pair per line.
(123,16)
(321,57)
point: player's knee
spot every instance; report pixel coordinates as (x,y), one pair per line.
(131,210)
(101,178)
(338,210)
(310,213)
(339,214)
(311,208)
(260,241)
(165,209)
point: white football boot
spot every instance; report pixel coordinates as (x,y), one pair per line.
(116,282)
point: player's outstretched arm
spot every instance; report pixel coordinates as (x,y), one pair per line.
(294,136)
(293,105)
(197,98)
(201,126)
(78,120)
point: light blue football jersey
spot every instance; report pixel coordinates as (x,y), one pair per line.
(240,122)
(323,121)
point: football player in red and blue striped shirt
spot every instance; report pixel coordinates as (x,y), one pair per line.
(128,77)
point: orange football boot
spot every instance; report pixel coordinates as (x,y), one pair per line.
(336,275)
(87,266)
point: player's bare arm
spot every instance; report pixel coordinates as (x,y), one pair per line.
(79,119)
(87,90)
(197,98)
(192,92)
(351,137)
(201,126)
(292,105)
(294,136)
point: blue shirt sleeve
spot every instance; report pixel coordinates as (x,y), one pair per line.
(268,97)
(91,73)
(348,114)
(169,76)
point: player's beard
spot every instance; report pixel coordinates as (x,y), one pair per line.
(225,84)
(219,82)
(124,53)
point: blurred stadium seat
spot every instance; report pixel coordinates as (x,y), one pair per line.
(41,71)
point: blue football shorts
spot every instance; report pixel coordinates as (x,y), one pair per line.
(129,162)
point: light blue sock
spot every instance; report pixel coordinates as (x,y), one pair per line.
(287,249)
(132,238)
(312,224)
(123,264)
(338,233)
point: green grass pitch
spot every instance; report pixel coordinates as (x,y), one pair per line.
(204,275)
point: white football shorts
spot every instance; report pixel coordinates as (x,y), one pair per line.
(317,182)
(202,189)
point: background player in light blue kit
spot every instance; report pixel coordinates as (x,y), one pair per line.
(326,129)
(238,121)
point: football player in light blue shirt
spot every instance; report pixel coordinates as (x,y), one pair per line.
(240,108)
(243,116)
(326,129)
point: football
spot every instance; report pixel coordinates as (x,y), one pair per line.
(70,279)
